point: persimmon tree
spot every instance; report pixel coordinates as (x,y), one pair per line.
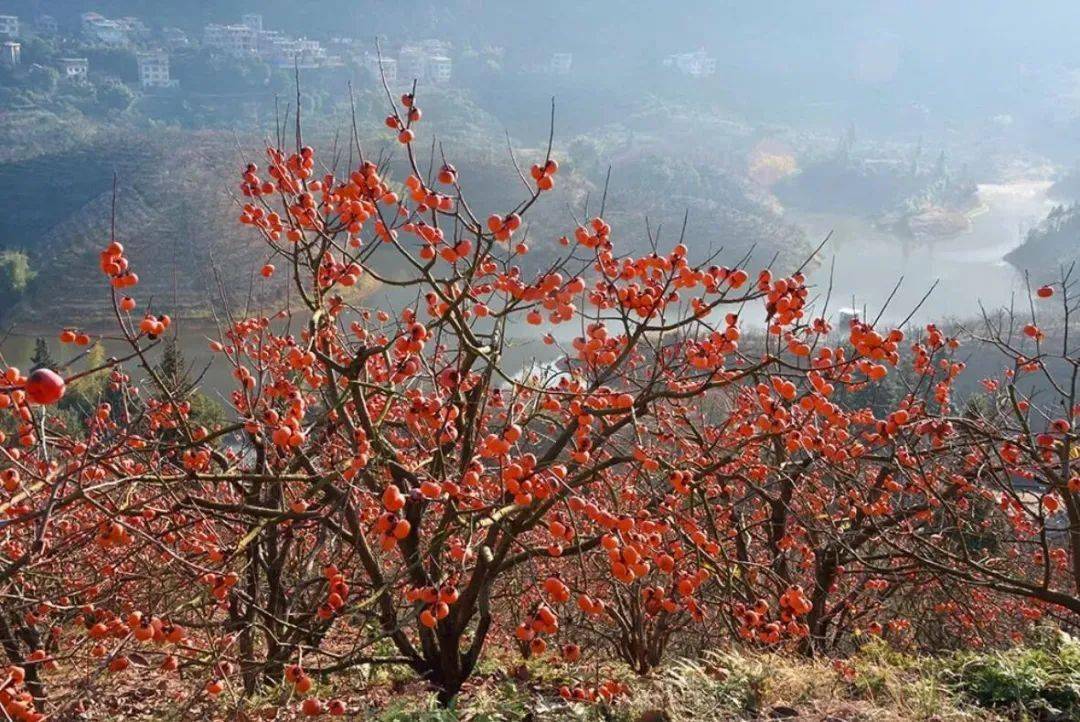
(1005,504)
(443,469)
(954,512)
(387,474)
(392,487)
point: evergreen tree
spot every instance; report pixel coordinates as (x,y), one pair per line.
(41,357)
(173,368)
(175,372)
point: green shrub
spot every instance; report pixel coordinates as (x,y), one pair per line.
(1043,680)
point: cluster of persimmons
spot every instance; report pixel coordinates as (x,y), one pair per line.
(390,489)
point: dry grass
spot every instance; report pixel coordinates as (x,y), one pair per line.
(1039,683)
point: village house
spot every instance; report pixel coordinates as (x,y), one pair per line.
(154,70)
(236,40)
(389,67)
(560,63)
(12,51)
(440,68)
(74,69)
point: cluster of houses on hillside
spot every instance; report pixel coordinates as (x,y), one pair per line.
(94,29)
(248,38)
(429,61)
(425,61)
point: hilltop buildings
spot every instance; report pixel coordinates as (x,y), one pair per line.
(427,60)
(155,50)
(235,40)
(424,61)
(282,50)
(250,39)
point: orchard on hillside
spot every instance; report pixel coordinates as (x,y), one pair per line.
(390,489)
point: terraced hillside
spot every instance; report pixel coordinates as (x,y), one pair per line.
(173,211)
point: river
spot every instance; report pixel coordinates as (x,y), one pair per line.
(969,267)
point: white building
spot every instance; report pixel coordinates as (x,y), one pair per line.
(74,69)
(561,63)
(698,64)
(9,26)
(439,68)
(303,52)
(99,29)
(425,60)
(412,63)
(344,46)
(285,51)
(272,46)
(11,53)
(268,43)
(154,70)
(235,40)
(389,67)
(253,21)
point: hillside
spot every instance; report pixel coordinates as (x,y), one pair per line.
(173,211)
(176,213)
(1052,244)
